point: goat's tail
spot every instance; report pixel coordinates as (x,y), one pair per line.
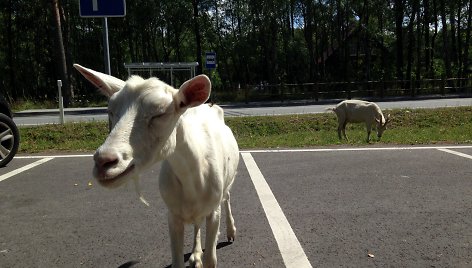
(329,109)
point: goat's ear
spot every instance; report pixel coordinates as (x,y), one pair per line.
(194,92)
(107,84)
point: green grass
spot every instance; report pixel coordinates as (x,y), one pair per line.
(77,137)
(29,105)
(421,126)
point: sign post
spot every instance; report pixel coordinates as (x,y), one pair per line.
(106,47)
(103,9)
(61,102)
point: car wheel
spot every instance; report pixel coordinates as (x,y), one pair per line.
(9,139)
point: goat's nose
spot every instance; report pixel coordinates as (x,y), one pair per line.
(105,160)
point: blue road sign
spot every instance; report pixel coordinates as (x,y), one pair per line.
(210,60)
(102,8)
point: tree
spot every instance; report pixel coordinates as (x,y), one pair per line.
(466,64)
(61,55)
(198,37)
(274,41)
(399,4)
(446,46)
(309,30)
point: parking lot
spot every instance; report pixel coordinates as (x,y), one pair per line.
(328,207)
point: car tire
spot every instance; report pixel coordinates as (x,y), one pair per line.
(9,139)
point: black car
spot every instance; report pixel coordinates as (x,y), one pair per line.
(9,134)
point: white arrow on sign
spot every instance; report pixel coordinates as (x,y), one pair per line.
(95,5)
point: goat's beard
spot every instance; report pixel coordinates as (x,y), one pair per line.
(138,190)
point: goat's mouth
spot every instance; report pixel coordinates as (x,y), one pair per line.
(117,180)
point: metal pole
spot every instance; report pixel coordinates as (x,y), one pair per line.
(106,49)
(171,76)
(61,102)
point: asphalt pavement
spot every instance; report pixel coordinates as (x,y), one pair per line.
(327,207)
(346,206)
(51,116)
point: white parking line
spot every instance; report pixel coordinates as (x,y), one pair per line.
(358,149)
(52,156)
(290,150)
(19,170)
(456,153)
(290,248)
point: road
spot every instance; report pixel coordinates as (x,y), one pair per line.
(35,117)
(340,206)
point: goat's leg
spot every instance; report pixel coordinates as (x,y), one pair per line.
(339,132)
(230,228)
(196,257)
(340,127)
(344,130)
(211,238)
(176,231)
(369,129)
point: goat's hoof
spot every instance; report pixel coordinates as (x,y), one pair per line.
(231,234)
(231,238)
(195,260)
(209,262)
(197,264)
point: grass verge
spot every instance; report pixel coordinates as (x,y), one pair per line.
(419,126)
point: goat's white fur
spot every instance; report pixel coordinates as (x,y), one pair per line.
(358,111)
(150,122)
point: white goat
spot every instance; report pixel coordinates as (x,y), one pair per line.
(152,122)
(358,111)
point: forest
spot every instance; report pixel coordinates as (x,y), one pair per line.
(265,41)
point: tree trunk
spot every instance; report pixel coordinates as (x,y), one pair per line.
(292,18)
(383,56)
(418,45)
(466,65)
(399,38)
(67,51)
(411,41)
(61,55)
(452,33)
(427,44)
(367,45)
(12,85)
(198,37)
(460,60)
(308,33)
(446,47)
(433,38)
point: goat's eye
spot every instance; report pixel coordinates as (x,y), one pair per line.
(154,118)
(157,116)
